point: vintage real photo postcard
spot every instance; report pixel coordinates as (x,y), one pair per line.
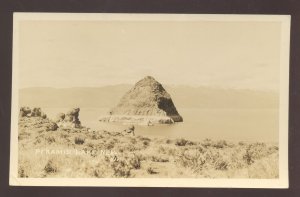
(150,100)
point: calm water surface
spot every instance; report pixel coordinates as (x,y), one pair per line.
(228,124)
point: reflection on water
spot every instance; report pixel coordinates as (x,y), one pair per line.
(228,124)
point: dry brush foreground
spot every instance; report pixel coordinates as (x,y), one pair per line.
(46,150)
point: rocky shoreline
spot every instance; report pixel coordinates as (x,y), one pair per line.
(140,120)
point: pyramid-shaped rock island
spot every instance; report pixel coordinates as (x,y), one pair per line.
(146,103)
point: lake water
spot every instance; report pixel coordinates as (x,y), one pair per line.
(228,124)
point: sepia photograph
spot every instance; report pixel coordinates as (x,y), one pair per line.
(150,100)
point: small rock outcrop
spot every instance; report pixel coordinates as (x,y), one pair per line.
(35,112)
(35,118)
(70,119)
(147,103)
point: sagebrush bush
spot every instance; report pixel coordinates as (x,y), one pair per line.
(219,144)
(51,167)
(22,173)
(254,152)
(168,141)
(146,143)
(23,135)
(151,170)
(135,162)
(109,145)
(121,169)
(181,142)
(79,140)
(159,158)
(221,164)
(99,170)
(193,159)
(207,143)
(50,139)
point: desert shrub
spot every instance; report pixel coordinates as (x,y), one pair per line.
(115,133)
(207,142)
(79,140)
(98,170)
(22,172)
(124,164)
(151,170)
(121,169)
(162,149)
(159,159)
(90,145)
(95,137)
(40,131)
(255,151)
(273,149)
(37,141)
(23,135)
(98,173)
(132,148)
(190,143)
(125,147)
(109,145)
(50,139)
(146,143)
(221,164)
(236,159)
(50,167)
(200,158)
(219,144)
(168,141)
(135,162)
(51,126)
(133,141)
(64,135)
(143,138)
(191,158)
(167,150)
(120,149)
(142,157)
(181,142)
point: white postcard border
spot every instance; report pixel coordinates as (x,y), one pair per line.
(281,182)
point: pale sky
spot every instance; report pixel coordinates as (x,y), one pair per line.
(96,53)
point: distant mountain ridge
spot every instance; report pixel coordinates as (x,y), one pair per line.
(182,96)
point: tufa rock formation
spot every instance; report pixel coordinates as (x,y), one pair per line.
(70,119)
(146,102)
(35,119)
(35,112)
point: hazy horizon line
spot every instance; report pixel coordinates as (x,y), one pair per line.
(164,85)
